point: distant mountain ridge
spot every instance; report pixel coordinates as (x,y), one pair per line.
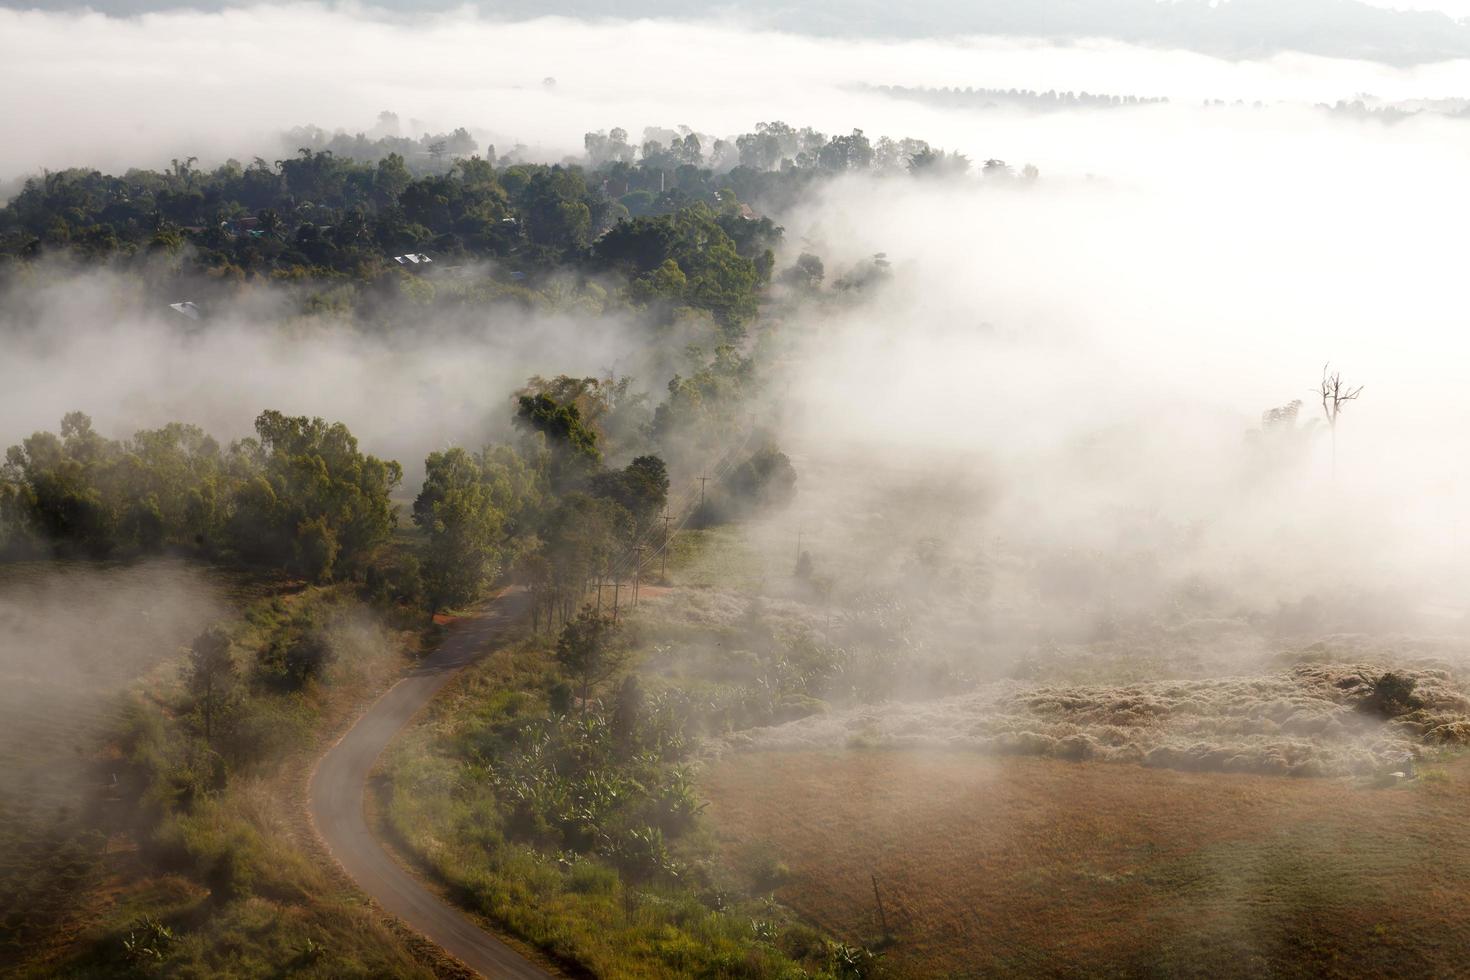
(1228,28)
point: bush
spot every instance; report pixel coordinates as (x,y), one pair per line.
(853,962)
(298,652)
(1393,695)
(230,875)
(591,878)
(147,941)
(764,867)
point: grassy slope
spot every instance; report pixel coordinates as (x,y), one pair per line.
(1025,867)
(294,914)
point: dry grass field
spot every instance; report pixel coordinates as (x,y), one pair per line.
(1021,866)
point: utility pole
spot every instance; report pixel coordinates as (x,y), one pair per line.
(664,571)
(637,572)
(617,584)
(701,490)
(882,917)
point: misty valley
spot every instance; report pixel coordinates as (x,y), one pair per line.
(495,500)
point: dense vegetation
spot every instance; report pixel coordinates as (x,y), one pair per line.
(360,226)
(298,495)
(554,791)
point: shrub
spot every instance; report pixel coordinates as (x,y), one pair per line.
(147,941)
(1393,695)
(590,878)
(764,867)
(852,962)
(640,853)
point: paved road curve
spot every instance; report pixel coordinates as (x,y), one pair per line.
(340,783)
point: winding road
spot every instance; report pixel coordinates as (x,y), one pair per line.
(339,786)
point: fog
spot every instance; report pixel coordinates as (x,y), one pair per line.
(72,637)
(224,83)
(1177,270)
(1064,367)
(85,340)
(1108,347)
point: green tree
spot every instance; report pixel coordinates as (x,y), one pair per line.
(590,650)
(456,508)
(212,677)
(572,443)
(314,499)
(642,487)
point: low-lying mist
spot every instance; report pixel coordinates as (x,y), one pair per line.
(1092,363)
(1074,364)
(87,338)
(73,636)
(1039,397)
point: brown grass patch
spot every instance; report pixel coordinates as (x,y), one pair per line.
(1036,867)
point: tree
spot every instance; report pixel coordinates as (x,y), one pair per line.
(1335,395)
(766,479)
(929,162)
(573,444)
(627,714)
(457,510)
(212,676)
(590,650)
(998,170)
(314,499)
(583,535)
(806,273)
(642,487)
(1280,440)
(846,153)
(392,178)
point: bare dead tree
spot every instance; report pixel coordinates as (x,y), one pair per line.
(1335,395)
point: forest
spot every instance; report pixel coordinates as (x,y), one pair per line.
(358,224)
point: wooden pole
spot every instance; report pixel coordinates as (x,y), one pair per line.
(664,571)
(882,916)
(637,571)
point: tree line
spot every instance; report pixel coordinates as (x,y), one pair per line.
(674,217)
(299,494)
(301,498)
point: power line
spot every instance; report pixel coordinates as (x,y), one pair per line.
(722,466)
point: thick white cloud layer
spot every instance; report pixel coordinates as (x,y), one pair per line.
(85,88)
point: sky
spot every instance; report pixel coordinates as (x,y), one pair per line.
(1454,8)
(118,92)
